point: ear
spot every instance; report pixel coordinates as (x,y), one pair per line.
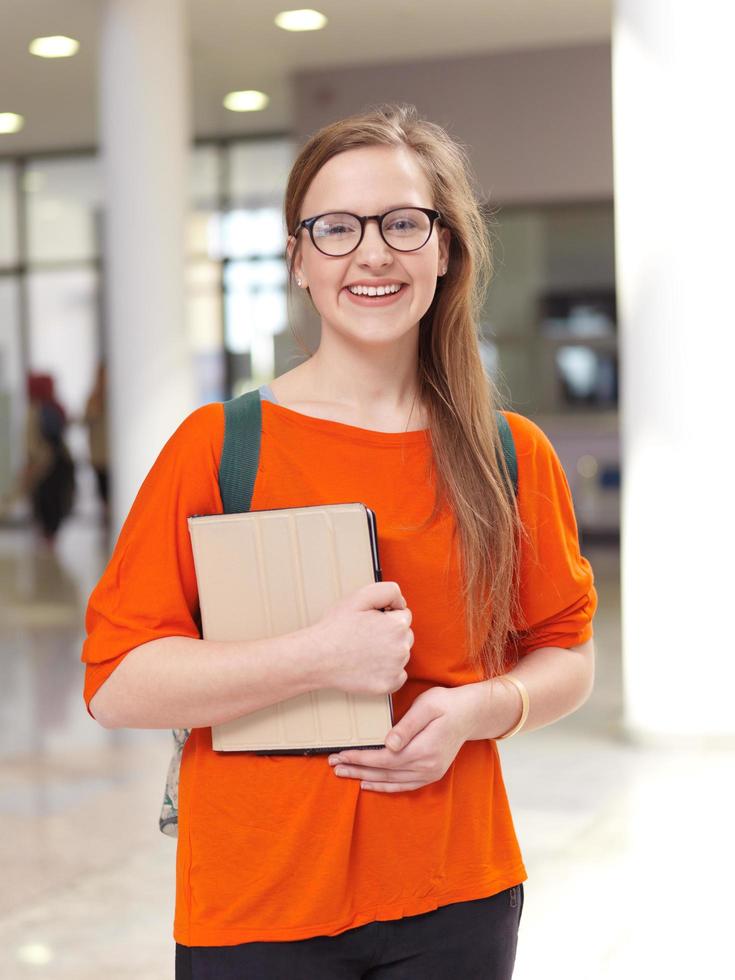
(445,237)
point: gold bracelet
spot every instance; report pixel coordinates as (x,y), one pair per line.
(524,699)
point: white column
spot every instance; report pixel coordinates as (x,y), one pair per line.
(144,132)
(673,84)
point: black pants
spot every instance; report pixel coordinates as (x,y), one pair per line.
(473,940)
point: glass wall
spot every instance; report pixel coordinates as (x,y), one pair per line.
(51,221)
(62,199)
(8,222)
(551,308)
(237,273)
(551,335)
(548,325)
(11,357)
(253,237)
(11,385)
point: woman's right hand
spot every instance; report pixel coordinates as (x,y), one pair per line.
(360,648)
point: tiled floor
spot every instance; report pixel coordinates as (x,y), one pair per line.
(629,850)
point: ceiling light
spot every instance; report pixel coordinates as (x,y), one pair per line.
(300,20)
(35,954)
(57,46)
(10,122)
(246,101)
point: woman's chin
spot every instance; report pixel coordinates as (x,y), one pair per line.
(374,330)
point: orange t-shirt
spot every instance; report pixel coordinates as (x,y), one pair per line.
(278,847)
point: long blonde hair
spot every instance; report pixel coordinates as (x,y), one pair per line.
(460,400)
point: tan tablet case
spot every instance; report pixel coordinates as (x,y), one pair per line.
(269,572)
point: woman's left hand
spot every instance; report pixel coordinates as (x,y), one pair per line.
(431,734)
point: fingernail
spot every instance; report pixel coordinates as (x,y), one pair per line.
(393,742)
(333,760)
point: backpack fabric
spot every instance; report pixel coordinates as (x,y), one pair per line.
(237,472)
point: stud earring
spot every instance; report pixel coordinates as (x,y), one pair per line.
(298,282)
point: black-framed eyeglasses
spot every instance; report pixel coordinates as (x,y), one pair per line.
(340,232)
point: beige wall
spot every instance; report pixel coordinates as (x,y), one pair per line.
(538,122)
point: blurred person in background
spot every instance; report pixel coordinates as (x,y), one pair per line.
(95,418)
(48,475)
(399,862)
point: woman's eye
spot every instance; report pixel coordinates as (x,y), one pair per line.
(332,231)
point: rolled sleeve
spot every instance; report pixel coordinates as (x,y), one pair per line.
(148,589)
(558,599)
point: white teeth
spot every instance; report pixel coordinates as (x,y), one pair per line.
(373,290)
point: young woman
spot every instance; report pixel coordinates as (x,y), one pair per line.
(400,862)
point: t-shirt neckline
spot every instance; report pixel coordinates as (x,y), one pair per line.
(417,436)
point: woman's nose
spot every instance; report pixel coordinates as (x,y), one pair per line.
(372,250)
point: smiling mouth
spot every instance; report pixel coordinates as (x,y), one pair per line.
(378,299)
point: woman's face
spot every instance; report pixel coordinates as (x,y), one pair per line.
(370,180)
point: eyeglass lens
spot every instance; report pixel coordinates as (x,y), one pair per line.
(405,230)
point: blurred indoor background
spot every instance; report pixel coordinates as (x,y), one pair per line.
(621,813)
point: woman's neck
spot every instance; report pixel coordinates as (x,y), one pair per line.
(313,393)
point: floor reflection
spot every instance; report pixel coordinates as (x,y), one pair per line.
(624,846)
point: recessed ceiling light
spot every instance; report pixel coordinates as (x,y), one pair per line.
(57,46)
(248,100)
(300,20)
(36,954)
(10,122)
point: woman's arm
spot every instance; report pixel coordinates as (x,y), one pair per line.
(360,645)
(442,719)
(182,682)
(558,601)
(558,680)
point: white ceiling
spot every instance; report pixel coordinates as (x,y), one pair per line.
(234,44)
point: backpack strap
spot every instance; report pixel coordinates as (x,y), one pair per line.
(509,449)
(238,466)
(241,451)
